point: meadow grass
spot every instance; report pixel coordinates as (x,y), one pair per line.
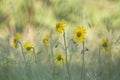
(59,40)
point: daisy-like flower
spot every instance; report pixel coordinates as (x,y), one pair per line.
(28,46)
(79,34)
(14,40)
(17,35)
(105,44)
(46,40)
(60,26)
(59,58)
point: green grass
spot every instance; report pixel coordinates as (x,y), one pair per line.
(35,18)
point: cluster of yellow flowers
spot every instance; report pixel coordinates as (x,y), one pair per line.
(15,42)
(79,33)
(79,36)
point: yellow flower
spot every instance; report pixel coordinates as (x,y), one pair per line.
(79,34)
(59,58)
(46,40)
(28,46)
(17,36)
(105,45)
(60,26)
(14,42)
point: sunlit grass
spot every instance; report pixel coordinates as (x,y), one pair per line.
(41,40)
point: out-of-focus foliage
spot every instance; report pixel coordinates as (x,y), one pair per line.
(33,19)
(46,12)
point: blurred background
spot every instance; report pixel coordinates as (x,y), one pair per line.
(18,15)
(34,18)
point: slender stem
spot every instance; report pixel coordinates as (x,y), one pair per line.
(100,78)
(34,54)
(53,62)
(110,52)
(67,66)
(49,55)
(83,64)
(17,55)
(110,69)
(22,51)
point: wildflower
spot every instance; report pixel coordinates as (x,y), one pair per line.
(15,39)
(79,34)
(105,44)
(60,26)
(28,46)
(46,40)
(59,58)
(17,35)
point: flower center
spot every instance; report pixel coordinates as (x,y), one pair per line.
(59,58)
(78,34)
(58,26)
(15,43)
(105,44)
(28,48)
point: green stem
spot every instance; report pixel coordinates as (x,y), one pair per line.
(53,62)
(100,78)
(83,64)
(34,54)
(110,63)
(17,55)
(110,69)
(22,51)
(67,66)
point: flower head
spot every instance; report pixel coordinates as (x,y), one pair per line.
(105,45)
(46,40)
(17,35)
(60,26)
(79,34)
(14,42)
(28,46)
(59,58)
